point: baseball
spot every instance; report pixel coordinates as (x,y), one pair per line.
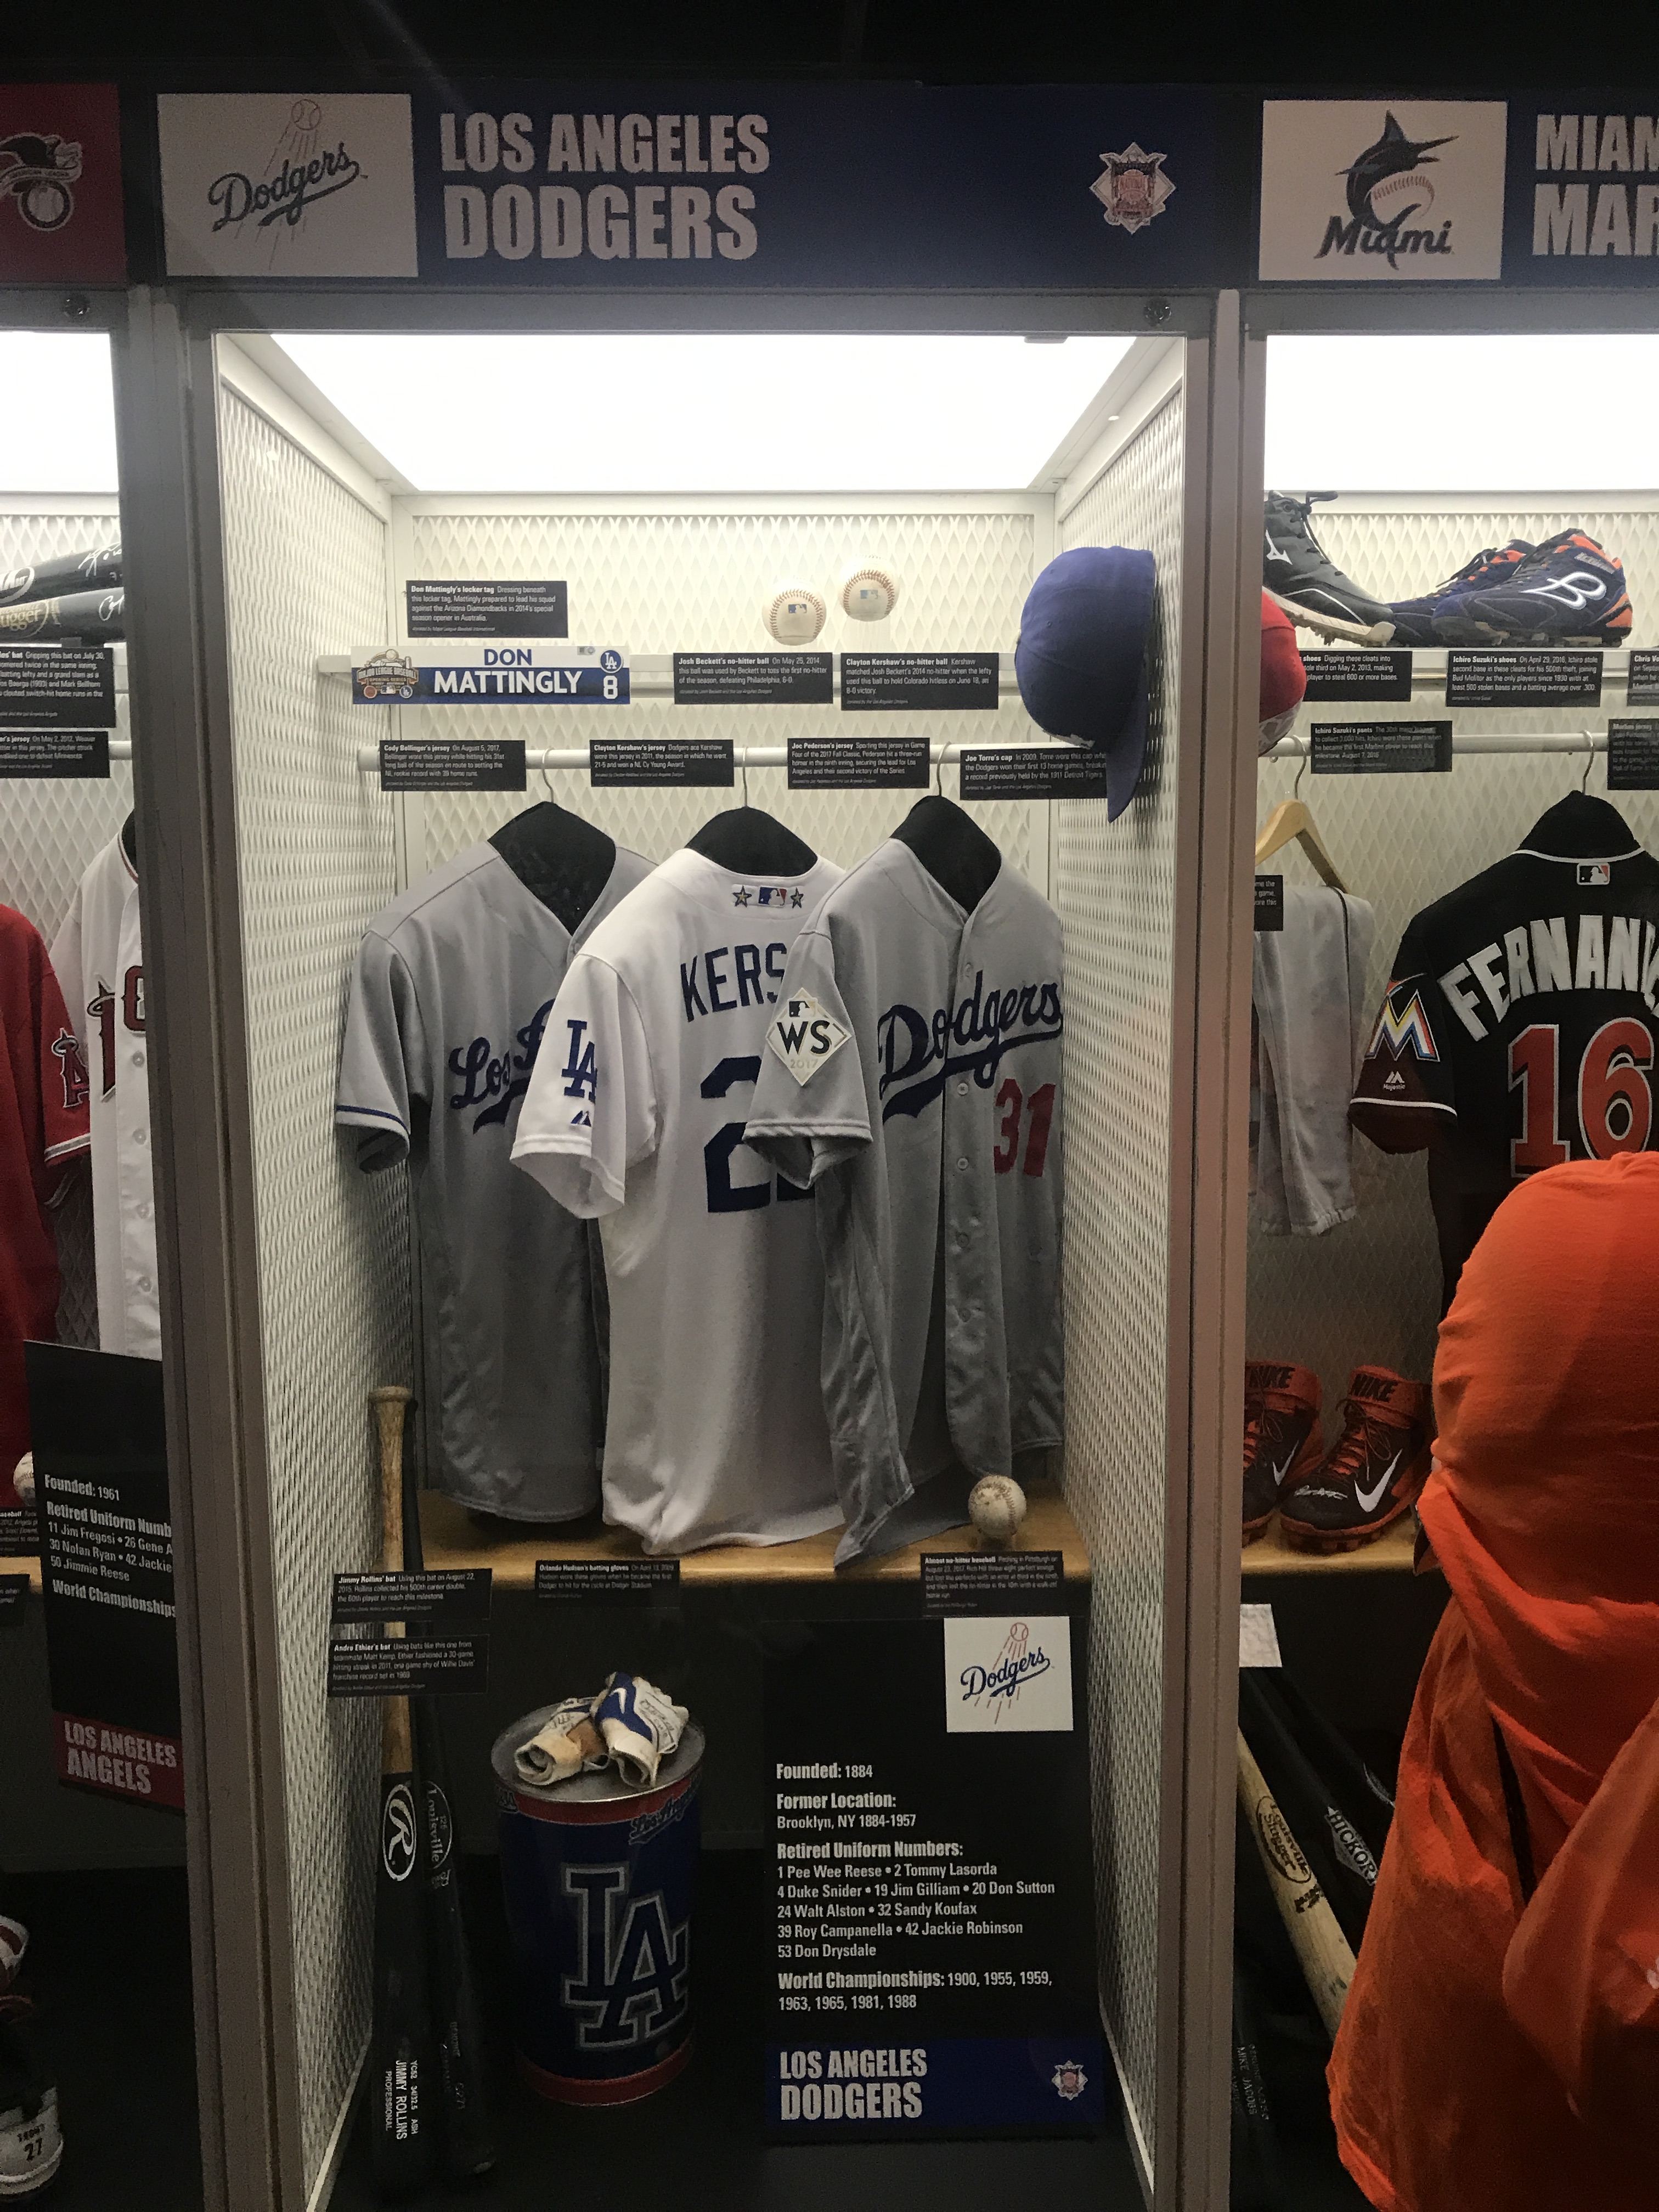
(794,614)
(996,1506)
(1395,195)
(306,115)
(868,592)
(22,1476)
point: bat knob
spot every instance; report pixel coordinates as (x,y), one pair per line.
(390,1394)
(996,1506)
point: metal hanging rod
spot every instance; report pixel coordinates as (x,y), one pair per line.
(576,756)
(1549,741)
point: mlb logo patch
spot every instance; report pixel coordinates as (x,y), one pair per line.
(1595,874)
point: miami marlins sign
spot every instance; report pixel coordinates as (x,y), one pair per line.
(1413,189)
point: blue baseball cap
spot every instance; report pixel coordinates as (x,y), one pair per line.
(1084,636)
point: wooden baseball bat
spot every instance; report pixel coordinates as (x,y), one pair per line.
(1322,1950)
(403,2115)
(468,2145)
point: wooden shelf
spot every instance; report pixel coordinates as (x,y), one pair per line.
(452,1537)
(1393,1552)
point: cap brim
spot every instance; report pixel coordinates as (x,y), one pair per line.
(1127,755)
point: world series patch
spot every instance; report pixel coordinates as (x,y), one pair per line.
(805,1036)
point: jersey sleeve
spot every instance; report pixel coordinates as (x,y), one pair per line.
(66,1109)
(1406,1098)
(810,1109)
(383,1058)
(66,966)
(592,1109)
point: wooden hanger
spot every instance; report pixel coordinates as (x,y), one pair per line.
(1290,822)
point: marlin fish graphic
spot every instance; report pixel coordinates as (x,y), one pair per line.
(1391,156)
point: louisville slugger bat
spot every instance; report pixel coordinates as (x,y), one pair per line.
(403,2118)
(1321,1949)
(1341,1861)
(468,2147)
(65,572)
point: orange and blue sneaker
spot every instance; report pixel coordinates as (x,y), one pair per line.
(1413,619)
(1373,1474)
(1282,1439)
(1568,591)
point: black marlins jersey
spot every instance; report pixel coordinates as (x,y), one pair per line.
(1522,1025)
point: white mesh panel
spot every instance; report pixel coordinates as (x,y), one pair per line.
(1115,890)
(682,582)
(305,575)
(1369,1291)
(53,828)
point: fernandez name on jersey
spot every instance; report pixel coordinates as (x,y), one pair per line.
(1521,1028)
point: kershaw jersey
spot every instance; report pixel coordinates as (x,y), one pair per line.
(454,987)
(715,1432)
(99,958)
(912,1074)
(43,1130)
(1520,1027)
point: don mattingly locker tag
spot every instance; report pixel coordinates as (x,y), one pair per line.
(805,1035)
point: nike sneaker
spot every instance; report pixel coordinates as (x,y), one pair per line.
(1308,584)
(1568,591)
(1413,619)
(1373,1472)
(31,2147)
(1282,1439)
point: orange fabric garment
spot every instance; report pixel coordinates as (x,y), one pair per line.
(1544,1512)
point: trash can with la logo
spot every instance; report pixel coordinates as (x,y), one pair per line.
(599,1877)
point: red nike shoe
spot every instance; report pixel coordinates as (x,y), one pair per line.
(1282,1437)
(1373,1472)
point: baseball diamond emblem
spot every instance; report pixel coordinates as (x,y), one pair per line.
(39,168)
(1069,2079)
(1133,188)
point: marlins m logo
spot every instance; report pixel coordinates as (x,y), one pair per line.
(1396,1029)
(631,1984)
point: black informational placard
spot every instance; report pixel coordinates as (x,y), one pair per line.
(452,764)
(54,753)
(910,683)
(101,1479)
(754,679)
(1270,902)
(1032,772)
(1643,686)
(932,1960)
(500,607)
(57,687)
(1633,755)
(14,1597)
(858,764)
(20,1533)
(989,1581)
(407,1666)
(1522,676)
(607,1581)
(648,764)
(1356,673)
(449,1597)
(1381,748)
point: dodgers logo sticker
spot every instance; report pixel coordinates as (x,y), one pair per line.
(1008,1677)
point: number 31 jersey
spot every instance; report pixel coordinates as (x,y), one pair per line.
(716,1432)
(1522,1025)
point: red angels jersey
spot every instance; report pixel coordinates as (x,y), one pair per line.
(43,1128)
(1520,1028)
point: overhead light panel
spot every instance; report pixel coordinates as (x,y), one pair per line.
(58,426)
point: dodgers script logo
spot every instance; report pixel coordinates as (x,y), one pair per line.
(999,1685)
(502,1078)
(631,1984)
(919,1052)
(297,174)
(1387,186)
(39,168)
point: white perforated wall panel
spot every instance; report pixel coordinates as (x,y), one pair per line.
(315,845)
(1369,1291)
(685,581)
(50,831)
(1115,890)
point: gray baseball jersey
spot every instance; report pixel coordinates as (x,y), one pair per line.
(716,1431)
(913,1073)
(454,987)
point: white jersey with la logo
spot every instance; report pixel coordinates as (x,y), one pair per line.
(99,961)
(716,1432)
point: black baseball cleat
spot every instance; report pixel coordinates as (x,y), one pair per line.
(31,2148)
(1373,1474)
(1308,584)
